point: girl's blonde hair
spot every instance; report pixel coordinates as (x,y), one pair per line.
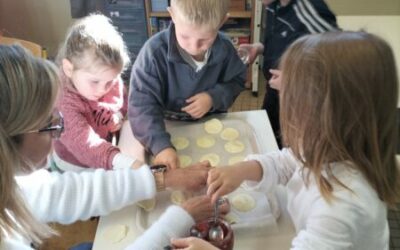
(91,40)
(28,90)
(202,12)
(338,103)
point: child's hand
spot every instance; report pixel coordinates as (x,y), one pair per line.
(253,50)
(118,120)
(198,105)
(224,180)
(275,81)
(192,243)
(167,157)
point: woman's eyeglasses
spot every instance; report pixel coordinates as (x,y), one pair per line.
(55,127)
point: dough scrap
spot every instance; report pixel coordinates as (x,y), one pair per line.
(230,134)
(214,159)
(116,233)
(147,205)
(235,159)
(180,142)
(243,202)
(185,160)
(234,147)
(231,218)
(177,197)
(213,126)
(205,141)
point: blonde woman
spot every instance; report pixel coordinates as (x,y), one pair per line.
(338,105)
(31,196)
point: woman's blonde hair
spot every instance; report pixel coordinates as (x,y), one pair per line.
(28,90)
(202,12)
(338,103)
(94,40)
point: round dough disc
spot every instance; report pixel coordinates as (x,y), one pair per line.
(234,147)
(231,218)
(243,202)
(205,141)
(213,126)
(229,134)
(147,205)
(116,233)
(185,160)
(180,142)
(235,159)
(212,158)
(177,197)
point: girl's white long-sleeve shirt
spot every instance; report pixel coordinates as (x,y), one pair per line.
(68,197)
(353,220)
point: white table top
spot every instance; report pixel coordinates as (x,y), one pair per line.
(277,240)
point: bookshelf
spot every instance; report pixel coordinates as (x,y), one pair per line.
(240,27)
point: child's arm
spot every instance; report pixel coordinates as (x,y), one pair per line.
(224,180)
(80,140)
(145,110)
(261,172)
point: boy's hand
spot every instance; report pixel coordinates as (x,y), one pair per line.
(275,81)
(198,105)
(224,180)
(192,243)
(167,157)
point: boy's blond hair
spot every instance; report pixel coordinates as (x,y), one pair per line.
(202,12)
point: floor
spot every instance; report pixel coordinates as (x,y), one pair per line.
(85,231)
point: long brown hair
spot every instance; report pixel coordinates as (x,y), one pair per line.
(28,90)
(338,103)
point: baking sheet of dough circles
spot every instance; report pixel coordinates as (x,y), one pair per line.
(213,158)
(234,147)
(180,142)
(229,134)
(116,233)
(213,126)
(205,141)
(185,160)
(243,202)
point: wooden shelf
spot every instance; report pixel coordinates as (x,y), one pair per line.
(233,14)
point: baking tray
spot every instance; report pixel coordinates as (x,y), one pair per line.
(266,211)
(194,130)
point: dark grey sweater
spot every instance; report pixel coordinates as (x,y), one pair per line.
(161,81)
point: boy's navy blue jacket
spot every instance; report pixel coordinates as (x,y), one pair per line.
(161,81)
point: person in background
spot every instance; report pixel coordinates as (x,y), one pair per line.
(339,166)
(32,196)
(183,73)
(286,21)
(94,99)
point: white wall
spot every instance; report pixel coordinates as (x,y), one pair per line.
(387,27)
(42,21)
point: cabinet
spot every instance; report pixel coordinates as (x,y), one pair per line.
(240,26)
(129,16)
